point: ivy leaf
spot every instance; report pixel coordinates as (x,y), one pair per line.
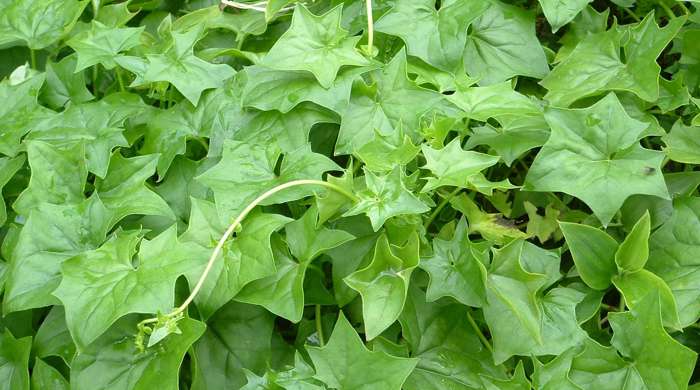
(635,286)
(682,143)
(378,368)
(453,166)
(457,269)
(100,286)
(270,89)
(492,227)
(37,25)
(307,240)
(179,66)
(101,44)
(383,284)
(517,382)
(449,353)
(51,235)
(99,126)
(672,256)
(521,118)
(383,153)
(391,102)
(14,361)
(221,357)
(315,44)
(46,377)
(596,65)
(248,170)
(544,325)
(63,85)
(283,292)
(502,44)
(385,197)
(633,252)
(589,365)
(597,146)
(560,13)
(593,252)
(436,36)
(101,365)
(20,113)
(247,258)
(8,168)
(124,191)
(661,362)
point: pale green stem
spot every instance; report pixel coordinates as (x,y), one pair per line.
(319,326)
(440,206)
(667,9)
(32,57)
(370,28)
(232,227)
(119,79)
(481,336)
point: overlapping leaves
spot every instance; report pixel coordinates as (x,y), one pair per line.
(482,194)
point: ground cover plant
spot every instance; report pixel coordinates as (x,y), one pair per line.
(457,194)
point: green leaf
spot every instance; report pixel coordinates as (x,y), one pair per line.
(383,284)
(102,364)
(453,166)
(270,89)
(51,235)
(101,44)
(597,63)
(8,168)
(283,292)
(248,170)
(53,337)
(449,353)
(63,85)
(633,252)
(590,365)
(385,197)
(46,377)
(593,252)
(502,44)
(522,321)
(378,368)
(492,227)
(436,36)
(315,44)
(247,258)
(220,355)
(99,126)
(179,66)
(517,382)
(100,286)
(391,103)
(457,269)
(20,112)
(307,240)
(559,13)
(682,143)
(594,154)
(37,24)
(662,362)
(635,286)
(673,250)
(14,361)
(124,192)
(384,152)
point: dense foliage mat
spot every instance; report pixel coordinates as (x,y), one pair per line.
(443,194)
